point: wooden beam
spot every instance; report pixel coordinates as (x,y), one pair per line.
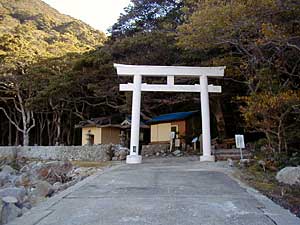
(162,71)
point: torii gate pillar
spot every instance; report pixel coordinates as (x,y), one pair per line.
(207,156)
(170,72)
(134,157)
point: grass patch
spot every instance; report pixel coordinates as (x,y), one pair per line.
(265,182)
(264,186)
(91,164)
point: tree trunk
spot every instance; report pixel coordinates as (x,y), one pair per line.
(218,112)
(25,139)
(9,131)
(74,137)
(69,136)
(42,127)
(49,132)
(269,141)
(17,139)
(279,135)
(58,137)
(3,135)
(27,117)
(58,129)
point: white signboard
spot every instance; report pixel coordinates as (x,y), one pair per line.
(177,142)
(239,141)
(172,135)
(195,140)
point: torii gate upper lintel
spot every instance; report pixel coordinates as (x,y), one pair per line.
(137,71)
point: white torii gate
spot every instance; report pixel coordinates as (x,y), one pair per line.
(170,72)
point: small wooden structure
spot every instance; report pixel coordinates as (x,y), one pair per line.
(185,125)
(110,130)
(101,130)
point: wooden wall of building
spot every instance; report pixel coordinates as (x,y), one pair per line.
(104,135)
(160,133)
(94,131)
(110,135)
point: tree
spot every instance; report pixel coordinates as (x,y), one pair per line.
(148,16)
(19,91)
(15,83)
(259,35)
(274,115)
(259,42)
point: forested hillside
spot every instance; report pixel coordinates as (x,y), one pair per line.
(37,46)
(55,71)
(53,33)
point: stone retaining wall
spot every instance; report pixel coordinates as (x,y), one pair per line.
(155,149)
(73,153)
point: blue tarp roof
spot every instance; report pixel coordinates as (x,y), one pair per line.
(171,117)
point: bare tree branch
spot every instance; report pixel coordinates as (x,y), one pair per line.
(10,120)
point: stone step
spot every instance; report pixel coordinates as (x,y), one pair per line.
(244,154)
(221,151)
(230,153)
(224,157)
(234,154)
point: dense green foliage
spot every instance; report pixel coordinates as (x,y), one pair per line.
(146,16)
(56,70)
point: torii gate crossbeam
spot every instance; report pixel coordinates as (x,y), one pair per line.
(170,72)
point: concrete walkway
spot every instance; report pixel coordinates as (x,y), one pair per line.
(160,192)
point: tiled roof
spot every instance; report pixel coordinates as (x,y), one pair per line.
(116,120)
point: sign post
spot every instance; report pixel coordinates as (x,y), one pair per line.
(172,137)
(240,143)
(194,141)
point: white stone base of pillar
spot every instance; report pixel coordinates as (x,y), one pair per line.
(134,159)
(207,158)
